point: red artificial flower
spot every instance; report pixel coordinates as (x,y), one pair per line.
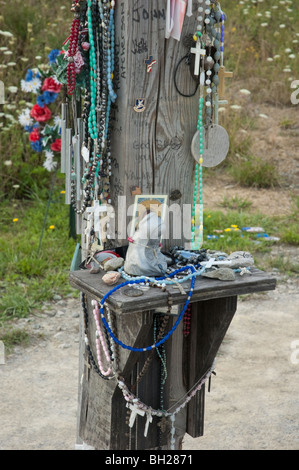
(40,114)
(56,146)
(34,136)
(50,85)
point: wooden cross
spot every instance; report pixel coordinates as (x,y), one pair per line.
(199,53)
(222,74)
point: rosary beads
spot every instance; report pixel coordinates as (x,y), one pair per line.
(97,21)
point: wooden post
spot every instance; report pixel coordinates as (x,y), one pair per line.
(151,150)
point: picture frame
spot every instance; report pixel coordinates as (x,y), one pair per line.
(147,202)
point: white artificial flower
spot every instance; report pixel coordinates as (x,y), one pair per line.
(25,118)
(49,163)
(36,84)
(57,121)
(26,86)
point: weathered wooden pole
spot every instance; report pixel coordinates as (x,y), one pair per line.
(151,146)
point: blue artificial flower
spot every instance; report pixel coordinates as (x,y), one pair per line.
(49,97)
(29,75)
(36,125)
(53,56)
(41,101)
(37,146)
(28,129)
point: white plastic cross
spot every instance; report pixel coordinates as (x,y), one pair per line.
(149,419)
(134,412)
(199,52)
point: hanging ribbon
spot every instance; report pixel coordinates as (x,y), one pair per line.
(175,15)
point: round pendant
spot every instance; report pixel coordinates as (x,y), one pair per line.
(133,292)
(215,146)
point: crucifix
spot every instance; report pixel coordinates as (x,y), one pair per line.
(199,53)
(222,74)
(134,412)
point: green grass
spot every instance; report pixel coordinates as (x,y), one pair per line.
(29,278)
(12,337)
(255,172)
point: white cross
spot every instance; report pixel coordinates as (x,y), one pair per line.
(134,412)
(98,210)
(199,52)
(149,419)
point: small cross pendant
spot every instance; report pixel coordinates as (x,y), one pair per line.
(149,419)
(134,412)
(199,53)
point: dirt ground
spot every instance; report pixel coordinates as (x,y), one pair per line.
(254,401)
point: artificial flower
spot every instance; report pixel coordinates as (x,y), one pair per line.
(78,61)
(50,85)
(49,164)
(25,118)
(37,146)
(56,146)
(53,55)
(34,136)
(40,114)
(57,122)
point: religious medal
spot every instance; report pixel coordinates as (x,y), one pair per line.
(215,146)
(133,292)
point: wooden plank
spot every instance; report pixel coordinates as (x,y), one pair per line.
(210,321)
(153,148)
(205,289)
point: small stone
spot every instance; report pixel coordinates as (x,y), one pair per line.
(111,278)
(223,274)
(113,264)
(95,269)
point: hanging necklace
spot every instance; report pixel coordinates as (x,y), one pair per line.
(212,41)
(99,19)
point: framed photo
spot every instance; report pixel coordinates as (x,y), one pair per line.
(146,203)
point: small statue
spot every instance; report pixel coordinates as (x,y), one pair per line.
(144,257)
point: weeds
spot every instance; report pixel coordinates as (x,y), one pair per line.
(255,172)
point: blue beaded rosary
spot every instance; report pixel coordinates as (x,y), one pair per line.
(141,280)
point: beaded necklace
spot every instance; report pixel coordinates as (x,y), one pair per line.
(208,16)
(99,95)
